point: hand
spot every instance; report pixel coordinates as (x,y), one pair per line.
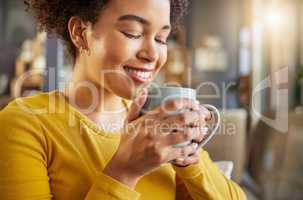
(147,141)
(195,157)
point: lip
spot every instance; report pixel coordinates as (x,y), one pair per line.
(137,78)
(145,69)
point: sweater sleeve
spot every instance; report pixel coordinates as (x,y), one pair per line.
(23,163)
(108,188)
(204,180)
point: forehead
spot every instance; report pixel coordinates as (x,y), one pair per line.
(155,11)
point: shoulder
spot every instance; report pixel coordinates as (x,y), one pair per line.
(21,113)
(22,137)
(40,104)
(32,104)
(42,116)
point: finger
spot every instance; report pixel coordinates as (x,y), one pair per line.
(178,123)
(136,106)
(205,113)
(172,106)
(186,118)
(182,152)
(180,136)
(190,160)
(152,127)
(202,132)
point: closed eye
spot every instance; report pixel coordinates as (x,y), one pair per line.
(138,36)
(131,36)
(161,41)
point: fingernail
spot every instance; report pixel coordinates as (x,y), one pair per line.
(195,145)
(180,159)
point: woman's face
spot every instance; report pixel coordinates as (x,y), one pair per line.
(127,45)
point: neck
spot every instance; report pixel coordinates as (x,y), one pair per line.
(89,97)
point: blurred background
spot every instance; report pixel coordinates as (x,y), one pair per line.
(243,56)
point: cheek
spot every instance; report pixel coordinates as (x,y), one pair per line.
(118,51)
(162,58)
(112,51)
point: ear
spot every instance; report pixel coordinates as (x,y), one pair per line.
(77,31)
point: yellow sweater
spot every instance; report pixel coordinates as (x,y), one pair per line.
(49,150)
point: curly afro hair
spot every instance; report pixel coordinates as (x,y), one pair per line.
(53,16)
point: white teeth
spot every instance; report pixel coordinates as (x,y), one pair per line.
(141,74)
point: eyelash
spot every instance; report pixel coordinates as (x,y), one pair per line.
(131,36)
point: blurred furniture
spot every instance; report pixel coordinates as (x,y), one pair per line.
(29,68)
(266,155)
(221,20)
(4,100)
(276,159)
(226,167)
(177,68)
(291,175)
(229,144)
(245,90)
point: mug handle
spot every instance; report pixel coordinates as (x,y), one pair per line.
(215,129)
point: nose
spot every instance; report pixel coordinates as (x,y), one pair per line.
(149,52)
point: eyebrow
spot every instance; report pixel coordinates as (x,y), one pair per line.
(140,20)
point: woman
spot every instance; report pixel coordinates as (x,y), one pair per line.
(84,143)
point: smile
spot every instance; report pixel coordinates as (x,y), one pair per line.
(139,75)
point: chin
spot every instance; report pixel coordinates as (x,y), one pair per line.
(126,87)
(129,92)
(125,91)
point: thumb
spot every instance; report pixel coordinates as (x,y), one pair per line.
(136,106)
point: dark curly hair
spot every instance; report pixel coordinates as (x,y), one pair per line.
(53,16)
